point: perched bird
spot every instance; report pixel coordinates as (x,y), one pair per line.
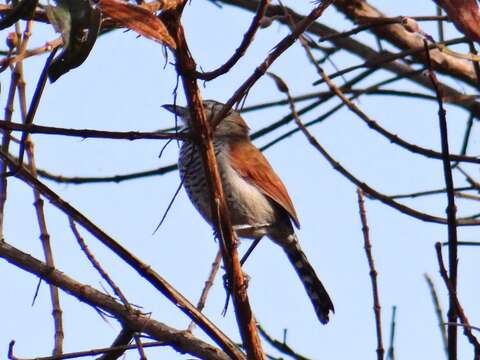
(258,201)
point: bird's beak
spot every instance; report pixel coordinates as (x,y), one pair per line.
(175,109)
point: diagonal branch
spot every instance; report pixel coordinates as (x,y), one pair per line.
(202,134)
(247,40)
(144,270)
(357,48)
(467,328)
(181,341)
(396,34)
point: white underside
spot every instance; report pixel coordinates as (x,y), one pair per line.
(253,210)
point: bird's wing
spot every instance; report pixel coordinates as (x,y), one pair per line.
(251,165)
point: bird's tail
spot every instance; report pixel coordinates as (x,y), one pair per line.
(314,287)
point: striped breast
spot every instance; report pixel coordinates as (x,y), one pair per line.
(193,177)
(247,204)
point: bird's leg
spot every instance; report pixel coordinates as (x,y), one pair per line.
(252,229)
(249,251)
(226,284)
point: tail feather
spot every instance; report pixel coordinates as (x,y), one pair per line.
(315,290)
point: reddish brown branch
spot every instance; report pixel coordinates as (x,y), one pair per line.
(186,68)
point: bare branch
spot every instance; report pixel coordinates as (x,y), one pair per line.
(438,312)
(144,270)
(202,134)
(451,212)
(247,40)
(181,341)
(373,274)
(88,133)
(467,328)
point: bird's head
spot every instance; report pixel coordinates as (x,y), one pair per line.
(232,125)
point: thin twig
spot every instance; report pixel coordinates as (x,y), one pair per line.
(429,192)
(34,103)
(467,328)
(386,57)
(361,50)
(49,46)
(390,136)
(289,117)
(246,41)
(469,178)
(181,341)
(476,65)
(39,205)
(373,274)
(89,133)
(281,346)
(122,339)
(467,196)
(476,328)
(93,352)
(5,145)
(441,34)
(207,287)
(144,270)
(374,193)
(438,312)
(367,189)
(278,50)
(391,347)
(109,281)
(451,213)
(374,22)
(106,179)
(466,136)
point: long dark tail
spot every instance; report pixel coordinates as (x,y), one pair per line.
(314,287)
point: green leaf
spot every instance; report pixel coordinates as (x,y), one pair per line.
(60,19)
(79,22)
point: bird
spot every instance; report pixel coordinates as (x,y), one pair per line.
(258,201)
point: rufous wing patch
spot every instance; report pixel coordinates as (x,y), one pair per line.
(251,165)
